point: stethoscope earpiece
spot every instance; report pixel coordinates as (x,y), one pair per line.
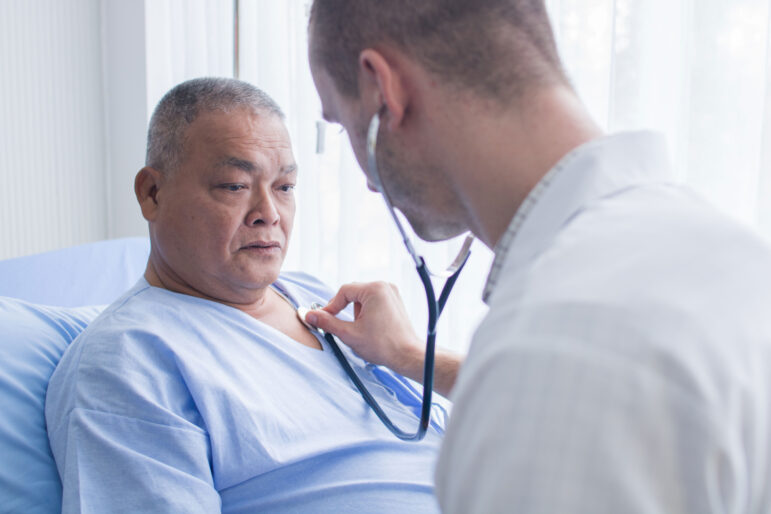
(374,174)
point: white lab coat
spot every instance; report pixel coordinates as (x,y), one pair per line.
(625,363)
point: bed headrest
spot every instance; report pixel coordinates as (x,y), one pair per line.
(90,274)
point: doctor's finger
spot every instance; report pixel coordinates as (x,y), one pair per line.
(328,323)
(348,293)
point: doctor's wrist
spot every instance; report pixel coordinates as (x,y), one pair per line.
(410,359)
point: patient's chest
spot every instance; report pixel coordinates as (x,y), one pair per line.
(270,405)
(282,316)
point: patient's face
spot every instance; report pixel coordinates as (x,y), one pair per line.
(225,215)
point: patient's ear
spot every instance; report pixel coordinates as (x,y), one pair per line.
(146,185)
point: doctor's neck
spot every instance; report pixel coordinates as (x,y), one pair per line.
(498,155)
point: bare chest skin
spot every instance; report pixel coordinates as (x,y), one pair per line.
(282,316)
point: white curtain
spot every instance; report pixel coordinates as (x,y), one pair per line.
(186,39)
(52,142)
(694,70)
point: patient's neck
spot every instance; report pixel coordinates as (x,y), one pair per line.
(258,304)
(269,307)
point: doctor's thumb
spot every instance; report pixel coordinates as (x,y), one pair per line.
(327,322)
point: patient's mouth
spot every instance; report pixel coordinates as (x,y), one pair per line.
(262,247)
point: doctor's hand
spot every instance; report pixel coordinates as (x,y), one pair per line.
(381,332)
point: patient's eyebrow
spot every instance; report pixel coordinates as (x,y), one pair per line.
(286,170)
(250,167)
(241,164)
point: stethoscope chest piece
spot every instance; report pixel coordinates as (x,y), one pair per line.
(302,311)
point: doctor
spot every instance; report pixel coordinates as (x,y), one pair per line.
(625,363)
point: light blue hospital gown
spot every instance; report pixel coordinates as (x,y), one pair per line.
(171,403)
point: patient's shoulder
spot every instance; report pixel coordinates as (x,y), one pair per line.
(147,315)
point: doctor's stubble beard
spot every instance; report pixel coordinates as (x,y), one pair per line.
(413,190)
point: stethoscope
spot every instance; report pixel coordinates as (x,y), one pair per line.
(435,307)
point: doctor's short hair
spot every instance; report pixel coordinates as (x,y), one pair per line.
(496,48)
(185,102)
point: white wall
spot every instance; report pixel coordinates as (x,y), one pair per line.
(52,142)
(78,82)
(126,114)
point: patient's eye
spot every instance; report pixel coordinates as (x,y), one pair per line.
(287,188)
(234,188)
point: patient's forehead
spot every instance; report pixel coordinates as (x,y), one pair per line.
(240,132)
(220,126)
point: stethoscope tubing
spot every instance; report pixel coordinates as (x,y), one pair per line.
(435,309)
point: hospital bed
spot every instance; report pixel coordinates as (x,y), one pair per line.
(46,300)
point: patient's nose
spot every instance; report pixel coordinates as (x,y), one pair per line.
(263,211)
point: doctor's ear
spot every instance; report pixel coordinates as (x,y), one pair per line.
(383,85)
(146,185)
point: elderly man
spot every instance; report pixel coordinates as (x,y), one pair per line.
(625,363)
(200,390)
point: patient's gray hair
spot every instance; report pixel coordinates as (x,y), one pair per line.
(181,106)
